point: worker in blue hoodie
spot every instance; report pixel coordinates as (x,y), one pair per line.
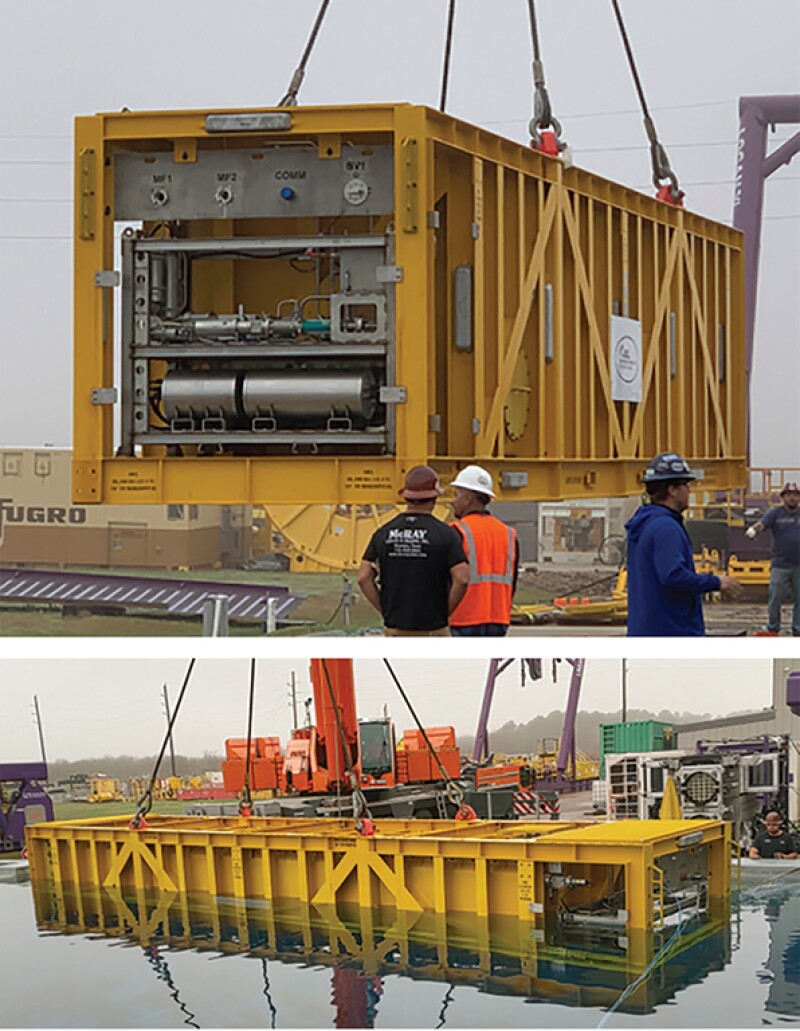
(664,591)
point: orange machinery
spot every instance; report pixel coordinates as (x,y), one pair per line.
(517,775)
(318,757)
(266,764)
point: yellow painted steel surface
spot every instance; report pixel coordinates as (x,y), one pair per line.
(417,866)
(547,246)
(331,538)
(750,573)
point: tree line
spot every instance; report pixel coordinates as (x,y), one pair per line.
(512,738)
(523,738)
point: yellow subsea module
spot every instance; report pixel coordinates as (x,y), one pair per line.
(311,300)
(560,884)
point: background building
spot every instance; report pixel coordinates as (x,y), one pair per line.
(39,525)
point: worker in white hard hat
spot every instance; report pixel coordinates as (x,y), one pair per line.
(784,523)
(492,551)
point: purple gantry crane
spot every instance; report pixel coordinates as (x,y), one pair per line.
(566,752)
(753,167)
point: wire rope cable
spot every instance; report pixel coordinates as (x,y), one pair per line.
(289,99)
(139,818)
(246,801)
(453,790)
(658,155)
(542,111)
(448,48)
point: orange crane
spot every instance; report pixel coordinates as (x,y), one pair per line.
(320,757)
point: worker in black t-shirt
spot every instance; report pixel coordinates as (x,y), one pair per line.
(773,843)
(414,571)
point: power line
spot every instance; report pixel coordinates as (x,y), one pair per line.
(636,111)
(38,136)
(723,182)
(579,114)
(577,149)
(672,146)
(37,161)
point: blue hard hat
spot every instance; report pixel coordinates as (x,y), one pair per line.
(667,466)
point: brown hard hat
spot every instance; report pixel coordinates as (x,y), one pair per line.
(422,484)
(791,487)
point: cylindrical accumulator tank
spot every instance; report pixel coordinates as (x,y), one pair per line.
(190,393)
(295,398)
(309,398)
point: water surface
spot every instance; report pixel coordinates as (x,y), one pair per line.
(745,973)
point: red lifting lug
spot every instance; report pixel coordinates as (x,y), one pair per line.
(466,812)
(665,194)
(245,810)
(138,823)
(366,827)
(548,144)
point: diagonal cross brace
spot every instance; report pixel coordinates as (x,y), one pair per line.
(363,860)
(133,846)
(488,439)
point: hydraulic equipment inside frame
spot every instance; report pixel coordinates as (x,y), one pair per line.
(283,372)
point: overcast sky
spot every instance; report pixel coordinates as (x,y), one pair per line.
(696,57)
(96,707)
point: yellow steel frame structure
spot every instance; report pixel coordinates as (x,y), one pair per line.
(417,867)
(548,246)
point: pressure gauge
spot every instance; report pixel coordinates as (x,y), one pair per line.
(356,191)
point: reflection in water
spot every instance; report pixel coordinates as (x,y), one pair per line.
(355,997)
(159,964)
(273,1013)
(496,955)
(445,1003)
(783,960)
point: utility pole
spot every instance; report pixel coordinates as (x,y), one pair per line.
(169,719)
(38,717)
(624,690)
(293,693)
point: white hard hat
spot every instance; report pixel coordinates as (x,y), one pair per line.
(472,477)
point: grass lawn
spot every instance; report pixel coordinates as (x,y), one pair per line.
(83,810)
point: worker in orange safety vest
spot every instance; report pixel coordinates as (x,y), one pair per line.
(492,551)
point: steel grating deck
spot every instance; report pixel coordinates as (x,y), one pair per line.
(173,597)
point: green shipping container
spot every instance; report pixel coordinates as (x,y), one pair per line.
(639,736)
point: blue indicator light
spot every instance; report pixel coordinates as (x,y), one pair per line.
(287,193)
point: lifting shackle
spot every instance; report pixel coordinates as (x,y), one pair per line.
(544,127)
